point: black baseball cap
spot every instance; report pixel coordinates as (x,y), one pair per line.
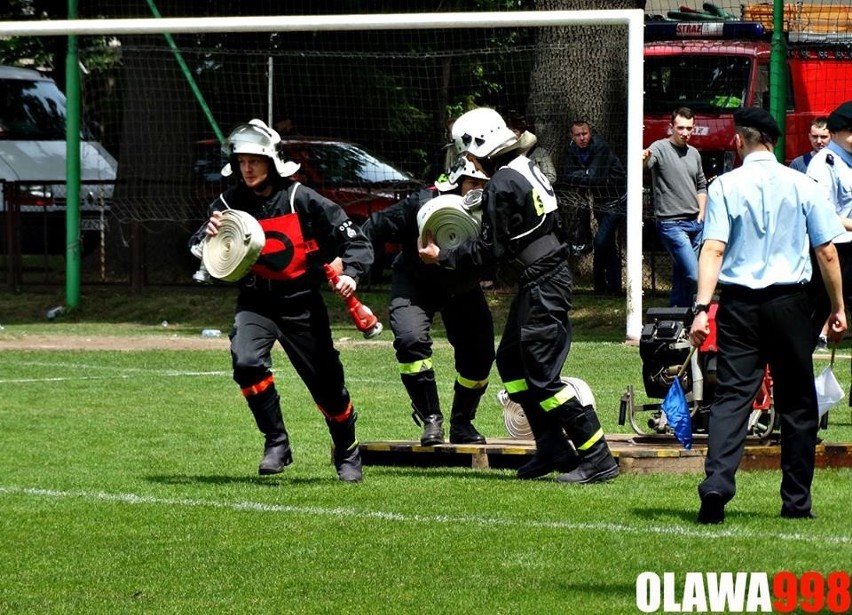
(759,119)
(841,118)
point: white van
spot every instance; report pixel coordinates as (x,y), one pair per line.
(33,159)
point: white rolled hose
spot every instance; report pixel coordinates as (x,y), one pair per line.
(448,221)
(517,423)
(514,419)
(230,253)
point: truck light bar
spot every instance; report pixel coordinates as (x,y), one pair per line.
(670,30)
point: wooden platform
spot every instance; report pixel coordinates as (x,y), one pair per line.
(635,454)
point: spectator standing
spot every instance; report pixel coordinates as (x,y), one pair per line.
(418,293)
(762,219)
(595,172)
(818,135)
(831,167)
(680,193)
(519,236)
(280,300)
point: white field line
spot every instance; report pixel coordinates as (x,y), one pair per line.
(263,507)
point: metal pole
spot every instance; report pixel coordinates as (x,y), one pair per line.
(778,76)
(269,86)
(189,78)
(72,169)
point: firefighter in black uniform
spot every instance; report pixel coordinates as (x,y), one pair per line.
(418,292)
(280,297)
(520,237)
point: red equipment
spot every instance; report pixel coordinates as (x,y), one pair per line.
(363,317)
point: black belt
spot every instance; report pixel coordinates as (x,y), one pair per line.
(257,283)
(677,218)
(735,291)
(538,249)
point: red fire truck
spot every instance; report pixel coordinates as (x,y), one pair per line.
(715,68)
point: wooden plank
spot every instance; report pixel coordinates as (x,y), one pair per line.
(635,454)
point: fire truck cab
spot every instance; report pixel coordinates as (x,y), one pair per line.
(716,68)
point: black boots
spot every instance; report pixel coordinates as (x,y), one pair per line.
(347,455)
(276,456)
(266,409)
(348,464)
(596,466)
(465,402)
(433,427)
(552,450)
(582,425)
(423,393)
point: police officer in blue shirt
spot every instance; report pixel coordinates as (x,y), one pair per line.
(831,167)
(762,219)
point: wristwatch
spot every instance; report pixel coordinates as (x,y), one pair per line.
(699,307)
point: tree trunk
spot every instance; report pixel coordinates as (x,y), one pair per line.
(580,74)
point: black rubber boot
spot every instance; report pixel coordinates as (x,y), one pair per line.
(426,408)
(276,457)
(553,452)
(348,464)
(465,403)
(346,455)
(433,427)
(597,465)
(266,408)
(581,423)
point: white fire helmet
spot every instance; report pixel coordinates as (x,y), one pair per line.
(462,167)
(483,133)
(256,138)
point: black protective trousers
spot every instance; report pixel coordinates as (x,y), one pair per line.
(537,335)
(756,327)
(301,325)
(467,320)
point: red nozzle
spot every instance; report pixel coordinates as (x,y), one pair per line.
(363,317)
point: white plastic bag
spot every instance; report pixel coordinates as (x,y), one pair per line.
(828,390)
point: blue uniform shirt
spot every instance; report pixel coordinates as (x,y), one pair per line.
(831,167)
(768,215)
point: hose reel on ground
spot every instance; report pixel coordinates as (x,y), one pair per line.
(515,419)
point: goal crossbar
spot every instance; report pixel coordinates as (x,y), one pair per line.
(632,18)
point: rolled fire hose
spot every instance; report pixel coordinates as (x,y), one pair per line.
(516,421)
(449,220)
(514,418)
(230,253)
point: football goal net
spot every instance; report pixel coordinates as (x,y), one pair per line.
(363,102)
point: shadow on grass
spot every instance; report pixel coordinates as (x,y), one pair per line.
(433,473)
(262,481)
(663,516)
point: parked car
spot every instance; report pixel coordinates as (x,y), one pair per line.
(360,182)
(32,167)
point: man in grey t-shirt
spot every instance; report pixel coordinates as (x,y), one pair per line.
(680,192)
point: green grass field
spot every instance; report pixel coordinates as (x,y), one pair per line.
(128,485)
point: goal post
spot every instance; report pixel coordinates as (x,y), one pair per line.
(632,18)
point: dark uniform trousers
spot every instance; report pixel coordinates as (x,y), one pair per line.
(537,337)
(301,325)
(468,323)
(756,327)
(822,304)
